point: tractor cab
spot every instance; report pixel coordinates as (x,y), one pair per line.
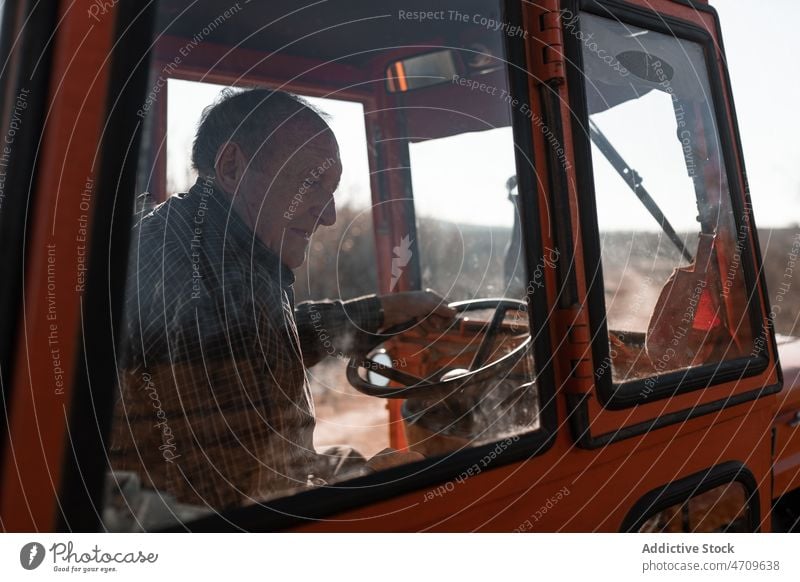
(566,175)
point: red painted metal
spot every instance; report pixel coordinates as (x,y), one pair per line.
(52,307)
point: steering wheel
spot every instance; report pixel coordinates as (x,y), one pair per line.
(413,386)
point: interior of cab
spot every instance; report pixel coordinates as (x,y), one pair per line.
(422,107)
(428,199)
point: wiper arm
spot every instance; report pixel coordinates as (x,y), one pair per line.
(634,181)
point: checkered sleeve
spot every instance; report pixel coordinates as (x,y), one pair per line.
(337,328)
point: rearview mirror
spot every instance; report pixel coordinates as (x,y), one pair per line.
(423,70)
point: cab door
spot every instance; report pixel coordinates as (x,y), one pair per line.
(676,313)
(669,352)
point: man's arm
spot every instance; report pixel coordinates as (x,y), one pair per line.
(336,328)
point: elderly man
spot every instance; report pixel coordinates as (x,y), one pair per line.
(215,407)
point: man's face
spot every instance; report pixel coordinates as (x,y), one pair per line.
(287,191)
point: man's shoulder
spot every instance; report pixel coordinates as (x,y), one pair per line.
(170,218)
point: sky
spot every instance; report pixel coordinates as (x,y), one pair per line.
(760,41)
(476,166)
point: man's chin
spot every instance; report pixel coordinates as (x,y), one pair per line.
(294,258)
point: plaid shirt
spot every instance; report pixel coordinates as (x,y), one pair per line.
(214,405)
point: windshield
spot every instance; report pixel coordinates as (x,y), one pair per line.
(467,219)
(279,278)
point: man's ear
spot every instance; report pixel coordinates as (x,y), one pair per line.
(229,166)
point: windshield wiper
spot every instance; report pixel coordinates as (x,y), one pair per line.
(633,180)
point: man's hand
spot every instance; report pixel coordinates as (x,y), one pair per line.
(392,458)
(428,306)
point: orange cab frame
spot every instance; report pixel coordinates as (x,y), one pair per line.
(716,426)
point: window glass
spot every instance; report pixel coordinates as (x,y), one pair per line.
(476,252)
(675,294)
(278,335)
(721,509)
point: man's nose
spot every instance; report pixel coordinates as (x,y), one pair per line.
(326,214)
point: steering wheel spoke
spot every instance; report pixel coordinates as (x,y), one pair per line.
(393,374)
(485,348)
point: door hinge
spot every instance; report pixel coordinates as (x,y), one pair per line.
(576,348)
(546,45)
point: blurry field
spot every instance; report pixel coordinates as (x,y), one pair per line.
(344,415)
(635,267)
(776,245)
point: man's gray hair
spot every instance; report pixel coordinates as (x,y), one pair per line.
(248,117)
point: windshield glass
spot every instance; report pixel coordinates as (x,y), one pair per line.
(289,321)
(467,219)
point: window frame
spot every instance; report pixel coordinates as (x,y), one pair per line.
(106,285)
(695,484)
(629,394)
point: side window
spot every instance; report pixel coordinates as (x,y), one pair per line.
(278,333)
(672,263)
(725,508)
